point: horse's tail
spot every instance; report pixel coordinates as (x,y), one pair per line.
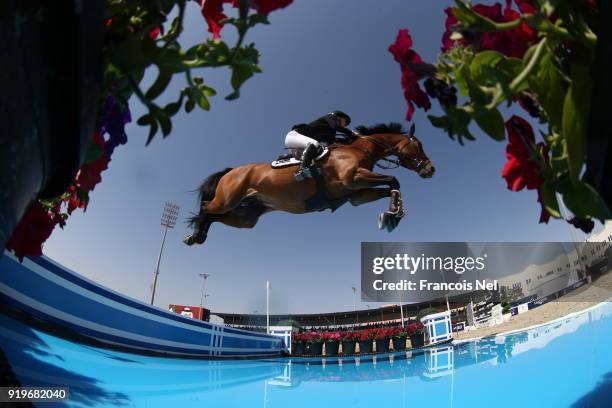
(206,191)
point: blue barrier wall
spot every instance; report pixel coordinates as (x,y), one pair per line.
(45,290)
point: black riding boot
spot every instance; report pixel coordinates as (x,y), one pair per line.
(306,169)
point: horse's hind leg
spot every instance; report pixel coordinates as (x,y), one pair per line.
(229,190)
(237,220)
(201,224)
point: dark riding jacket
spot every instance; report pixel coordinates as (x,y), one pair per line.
(322,130)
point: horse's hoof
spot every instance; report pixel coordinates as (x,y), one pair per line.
(381,221)
(391,224)
(194,239)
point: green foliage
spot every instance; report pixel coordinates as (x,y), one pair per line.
(576,109)
(558,82)
(130,51)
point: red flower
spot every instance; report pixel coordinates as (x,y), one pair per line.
(413,70)
(154,33)
(212,10)
(512,43)
(90,173)
(76,199)
(32,231)
(451,20)
(415,328)
(268,6)
(521,170)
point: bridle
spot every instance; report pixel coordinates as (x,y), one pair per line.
(417,163)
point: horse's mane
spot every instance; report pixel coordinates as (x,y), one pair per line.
(392,127)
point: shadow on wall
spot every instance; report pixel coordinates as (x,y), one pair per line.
(30,362)
(600,397)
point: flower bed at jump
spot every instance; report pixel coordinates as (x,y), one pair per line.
(375,340)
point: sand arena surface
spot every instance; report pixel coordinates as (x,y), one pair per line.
(583,298)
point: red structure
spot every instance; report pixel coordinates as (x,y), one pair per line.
(194,312)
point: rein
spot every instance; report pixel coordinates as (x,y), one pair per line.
(418,162)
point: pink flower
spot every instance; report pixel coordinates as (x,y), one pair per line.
(413,70)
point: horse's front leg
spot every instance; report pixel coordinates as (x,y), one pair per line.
(364,180)
(368,195)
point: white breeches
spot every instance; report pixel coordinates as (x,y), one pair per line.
(295,140)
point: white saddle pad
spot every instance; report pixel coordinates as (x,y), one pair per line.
(292,161)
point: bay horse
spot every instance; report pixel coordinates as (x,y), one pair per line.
(237,197)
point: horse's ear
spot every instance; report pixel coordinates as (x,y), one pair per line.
(411,131)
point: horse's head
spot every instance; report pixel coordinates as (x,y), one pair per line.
(411,155)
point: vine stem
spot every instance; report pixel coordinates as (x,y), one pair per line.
(535,58)
(138,92)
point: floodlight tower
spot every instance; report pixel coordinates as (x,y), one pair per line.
(168,221)
(204,276)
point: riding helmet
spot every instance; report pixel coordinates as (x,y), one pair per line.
(341,114)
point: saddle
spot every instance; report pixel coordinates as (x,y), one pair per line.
(292,159)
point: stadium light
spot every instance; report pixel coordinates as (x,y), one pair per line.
(168,221)
(204,276)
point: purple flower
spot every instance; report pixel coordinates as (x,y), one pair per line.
(112,121)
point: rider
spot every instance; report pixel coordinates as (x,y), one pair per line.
(311,136)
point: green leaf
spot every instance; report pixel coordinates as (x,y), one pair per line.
(549,199)
(129,56)
(440,122)
(152,132)
(576,109)
(165,123)
(145,120)
(208,91)
(258,19)
(492,123)
(484,59)
(160,84)
(234,95)
(189,105)
(172,108)
(203,102)
(550,88)
(171,59)
(240,73)
(456,122)
(584,201)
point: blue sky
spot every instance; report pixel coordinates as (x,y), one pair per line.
(317,55)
